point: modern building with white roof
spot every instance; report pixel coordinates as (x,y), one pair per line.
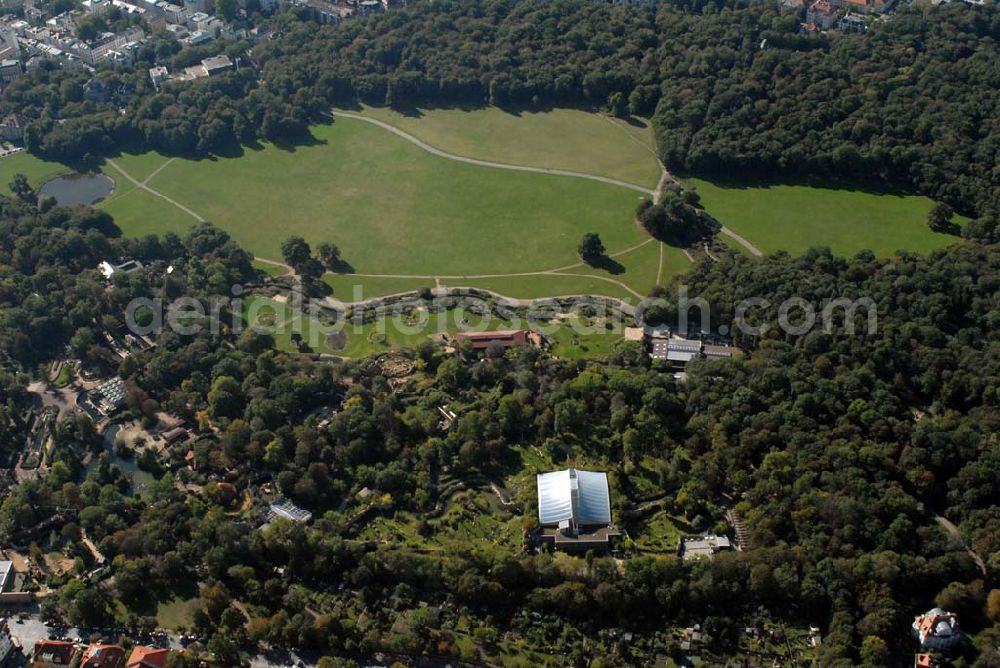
(574,508)
(7,574)
(578,497)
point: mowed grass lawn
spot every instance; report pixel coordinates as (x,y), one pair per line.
(391,207)
(351,288)
(794,218)
(37,170)
(561,138)
(138,212)
(281,321)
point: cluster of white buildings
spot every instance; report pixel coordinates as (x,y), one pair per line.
(57,39)
(26,42)
(209,67)
(335,11)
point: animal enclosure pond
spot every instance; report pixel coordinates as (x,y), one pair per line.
(77,189)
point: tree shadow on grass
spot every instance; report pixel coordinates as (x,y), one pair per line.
(728,180)
(342,266)
(636,122)
(300,140)
(608,264)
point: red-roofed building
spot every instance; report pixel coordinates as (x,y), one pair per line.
(227,492)
(504,338)
(937,629)
(822,13)
(148,657)
(53,653)
(103,656)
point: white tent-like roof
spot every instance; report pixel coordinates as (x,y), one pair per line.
(579,497)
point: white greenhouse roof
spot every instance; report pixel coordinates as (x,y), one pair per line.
(580,496)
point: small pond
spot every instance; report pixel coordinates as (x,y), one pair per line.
(138,478)
(77,189)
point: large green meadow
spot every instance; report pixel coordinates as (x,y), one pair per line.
(568,139)
(405,219)
(796,217)
(390,206)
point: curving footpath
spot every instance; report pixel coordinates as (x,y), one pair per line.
(487,163)
(558,271)
(652,192)
(456,291)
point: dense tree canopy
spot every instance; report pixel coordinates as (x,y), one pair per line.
(735,91)
(839,450)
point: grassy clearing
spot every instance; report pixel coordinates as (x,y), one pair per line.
(561,138)
(472,518)
(138,213)
(547,285)
(412,327)
(415,324)
(37,170)
(268,268)
(177,613)
(65,375)
(286,324)
(794,218)
(139,165)
(568,344)
(638,268)
(393,208)
(351,288)
(659,533)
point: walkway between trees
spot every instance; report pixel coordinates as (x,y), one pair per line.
(953,531)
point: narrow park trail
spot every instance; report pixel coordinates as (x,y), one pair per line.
(142,185)
(557,271)
(488,163)
(954,532)
(665,179)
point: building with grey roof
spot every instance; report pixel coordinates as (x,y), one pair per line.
(574,509)
(696,547)
(7,574)
(284,508)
